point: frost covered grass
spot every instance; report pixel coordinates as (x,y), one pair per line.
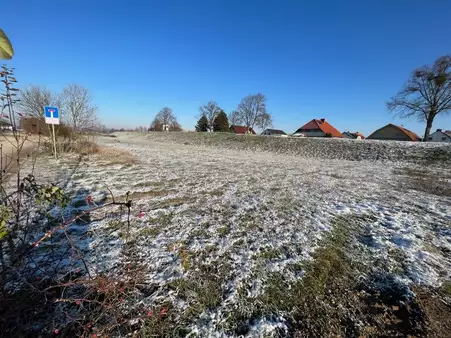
(237,242)
(325,148)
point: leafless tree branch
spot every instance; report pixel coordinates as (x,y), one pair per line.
(426,94)
(34,98)
(210,111)
(165,118)
(78,111)
(252,111)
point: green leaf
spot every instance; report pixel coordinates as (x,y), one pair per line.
(3,233)
(6,49)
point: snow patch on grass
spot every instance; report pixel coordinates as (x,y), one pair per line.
(217,223)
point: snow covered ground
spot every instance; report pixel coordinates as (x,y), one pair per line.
(239,216)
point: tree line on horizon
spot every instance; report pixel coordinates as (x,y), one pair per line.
(425,95)
(75,102)
(251,112)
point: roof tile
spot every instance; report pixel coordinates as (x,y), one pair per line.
(241,129)
(322,125)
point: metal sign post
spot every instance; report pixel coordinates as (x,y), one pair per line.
(51,115)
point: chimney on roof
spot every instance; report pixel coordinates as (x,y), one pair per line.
(439,130)
(323,120)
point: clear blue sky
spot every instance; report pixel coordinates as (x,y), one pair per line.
(341,60)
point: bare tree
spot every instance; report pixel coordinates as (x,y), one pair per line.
(165,119)
(78,111)
(266,121)
(252,111)
(426,94)
(234,118)
(210,111)
(34,98)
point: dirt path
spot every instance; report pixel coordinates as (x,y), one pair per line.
(8,150)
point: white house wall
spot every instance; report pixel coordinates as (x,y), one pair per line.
(439,137)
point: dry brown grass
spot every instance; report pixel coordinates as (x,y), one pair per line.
(136,195)
(115,156)
(432,182)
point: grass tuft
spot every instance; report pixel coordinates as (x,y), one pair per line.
(223,231)
(153,231)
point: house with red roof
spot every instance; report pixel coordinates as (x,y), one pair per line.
(317,128)
(353,136)
(394,133)
(241,130)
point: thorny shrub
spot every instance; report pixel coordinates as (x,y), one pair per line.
(47,287)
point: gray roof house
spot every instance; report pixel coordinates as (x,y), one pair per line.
(440,136)
(274,132)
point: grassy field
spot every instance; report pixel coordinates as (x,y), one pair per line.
(323,148)
(267,244)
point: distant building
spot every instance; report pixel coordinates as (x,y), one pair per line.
(354,136)
(317,128)
(440,136)
(33,125)
(242,130)
(394,133)
(274,132)
(5,125)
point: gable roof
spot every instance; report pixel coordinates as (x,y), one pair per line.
(275,131)
(322,125)
(353,135)
(410,134)
(446,133)
(359,134)
(241,129)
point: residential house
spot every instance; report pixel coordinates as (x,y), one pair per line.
(317,128)
(274,132)
(354,136)
(241,130)
(440,136)
(395,133)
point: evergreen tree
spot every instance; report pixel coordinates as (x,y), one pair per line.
(202,124)
(221,122)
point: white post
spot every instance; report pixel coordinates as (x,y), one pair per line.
(54,140)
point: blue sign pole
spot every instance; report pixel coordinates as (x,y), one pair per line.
(52,117)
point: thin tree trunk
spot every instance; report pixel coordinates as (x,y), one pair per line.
(427,131)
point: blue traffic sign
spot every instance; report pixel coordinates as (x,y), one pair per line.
(51,115)
(51,112)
